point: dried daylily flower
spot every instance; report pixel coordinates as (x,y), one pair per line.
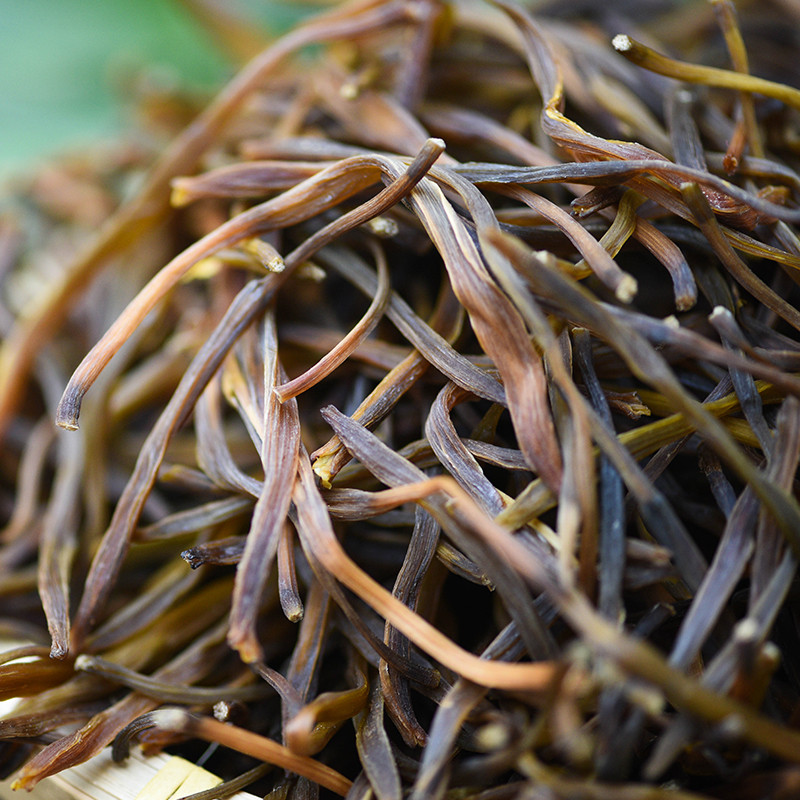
(547,535)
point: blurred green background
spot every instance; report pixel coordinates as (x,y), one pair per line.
(64,64)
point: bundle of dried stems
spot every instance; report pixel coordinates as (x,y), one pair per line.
(454,347)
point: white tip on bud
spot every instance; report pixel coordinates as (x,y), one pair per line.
(622,43)
(383,227)
(171,719)
(746,630)
(275,264)
(627,288)
(672,322)
(83,663)
(719,311)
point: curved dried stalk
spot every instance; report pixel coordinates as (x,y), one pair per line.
(357,334)
(246,742)
(317,531)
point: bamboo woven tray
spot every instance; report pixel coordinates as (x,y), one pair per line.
(158,777)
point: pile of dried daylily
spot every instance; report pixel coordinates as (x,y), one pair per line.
(524,527)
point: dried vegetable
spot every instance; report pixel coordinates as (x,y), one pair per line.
(431,413)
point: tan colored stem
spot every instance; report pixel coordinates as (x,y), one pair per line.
(252,745)
(695,73)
